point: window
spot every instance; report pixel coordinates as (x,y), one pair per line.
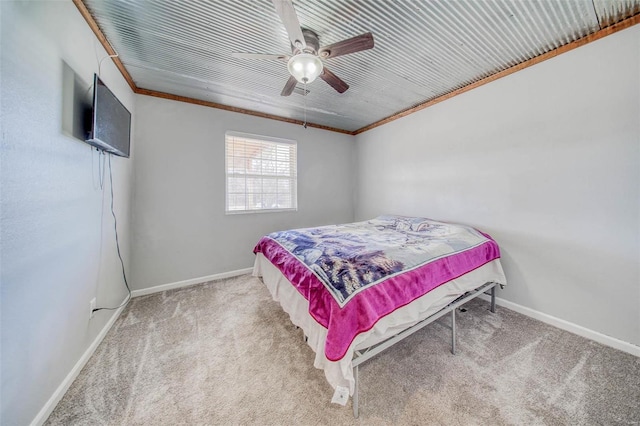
(261,173)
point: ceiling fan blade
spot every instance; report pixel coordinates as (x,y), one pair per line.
(288,88)
(260,56)
(344,47)
(290,20)
(334,81)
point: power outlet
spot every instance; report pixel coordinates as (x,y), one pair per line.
(92,306)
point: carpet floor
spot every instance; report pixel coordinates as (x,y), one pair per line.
(225,353)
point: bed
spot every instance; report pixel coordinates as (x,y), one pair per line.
(356,289)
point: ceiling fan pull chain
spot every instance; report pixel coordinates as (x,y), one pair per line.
(304,102)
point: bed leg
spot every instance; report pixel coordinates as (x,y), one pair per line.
(355,392)
(493,299)
(453,331)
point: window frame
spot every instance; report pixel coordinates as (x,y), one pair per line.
(293,177)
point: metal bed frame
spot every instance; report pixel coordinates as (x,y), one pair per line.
(370,352)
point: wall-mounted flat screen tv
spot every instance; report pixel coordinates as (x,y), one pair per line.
(110,121)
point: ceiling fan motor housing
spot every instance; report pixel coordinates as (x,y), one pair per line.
(313,43)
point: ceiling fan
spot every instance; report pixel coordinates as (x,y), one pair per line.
(305,62)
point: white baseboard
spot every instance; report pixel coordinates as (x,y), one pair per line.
(186,283)
(48,408)
(569,326)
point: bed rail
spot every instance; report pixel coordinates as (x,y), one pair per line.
(370,352)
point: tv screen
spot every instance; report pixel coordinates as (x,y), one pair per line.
(110,121)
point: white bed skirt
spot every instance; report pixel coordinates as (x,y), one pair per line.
(340,373)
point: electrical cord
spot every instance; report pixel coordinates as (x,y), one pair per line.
(99,68)
(101,167)
(100,62)
(115,227)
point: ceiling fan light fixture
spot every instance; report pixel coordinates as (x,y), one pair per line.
(305,67)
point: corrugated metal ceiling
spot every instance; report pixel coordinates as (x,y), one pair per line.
(423,49)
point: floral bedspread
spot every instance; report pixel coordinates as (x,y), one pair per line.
(354,274)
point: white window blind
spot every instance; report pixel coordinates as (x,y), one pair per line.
(261,173)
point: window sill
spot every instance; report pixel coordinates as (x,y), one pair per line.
(235,212)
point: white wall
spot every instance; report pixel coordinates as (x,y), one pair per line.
(180,227)
(547,161)
(57,240)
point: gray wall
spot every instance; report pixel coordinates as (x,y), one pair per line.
(180,227)
(547,161)
(57,243)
